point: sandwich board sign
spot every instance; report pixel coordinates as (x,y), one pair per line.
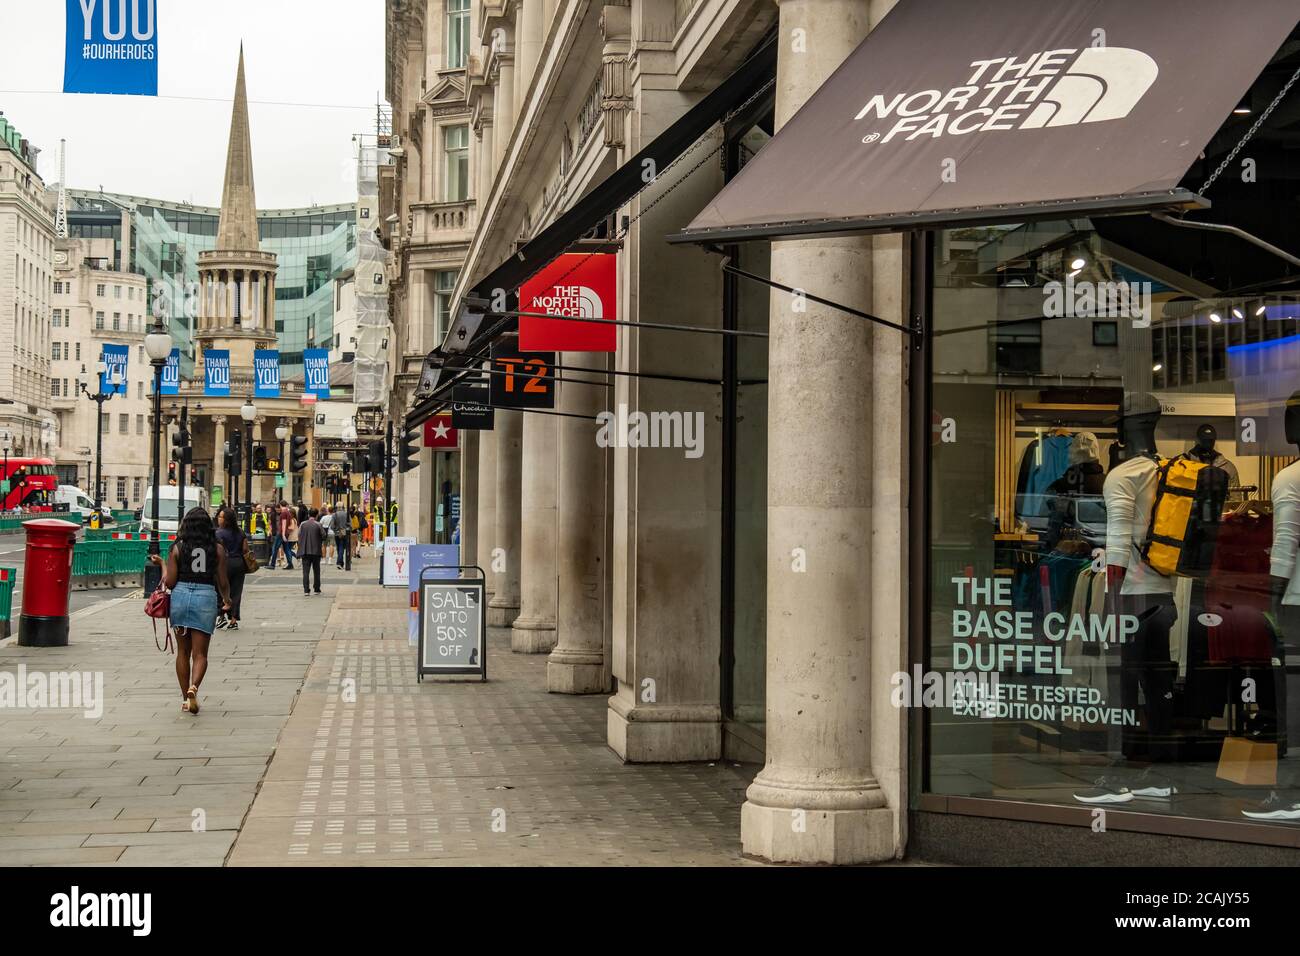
(453,626)
(443,560)
(396,567)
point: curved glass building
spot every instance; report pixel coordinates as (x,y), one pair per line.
(162,240)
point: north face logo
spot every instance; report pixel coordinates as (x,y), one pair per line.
(569,300)
(1049,89)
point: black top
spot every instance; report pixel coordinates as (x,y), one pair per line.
(232,539)
(196,566)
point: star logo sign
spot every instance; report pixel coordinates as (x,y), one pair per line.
(439,433)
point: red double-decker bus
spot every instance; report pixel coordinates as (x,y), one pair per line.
(32,483)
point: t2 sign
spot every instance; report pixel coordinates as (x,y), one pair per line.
(522,379)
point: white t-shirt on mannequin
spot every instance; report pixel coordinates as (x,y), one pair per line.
(1286,530)
(1130,494)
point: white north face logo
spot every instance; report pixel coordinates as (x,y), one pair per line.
(569,300)
(1048,89)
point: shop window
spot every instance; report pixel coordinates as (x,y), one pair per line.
(444,282)
(1081,657)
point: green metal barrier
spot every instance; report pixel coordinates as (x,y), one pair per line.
(7,578)
(104,559)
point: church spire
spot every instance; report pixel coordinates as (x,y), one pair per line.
(238,228)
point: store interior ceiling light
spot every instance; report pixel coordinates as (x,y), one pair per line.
(1215,317)
(1078,263)
(1260,310)
(1238,314)
(1157,367)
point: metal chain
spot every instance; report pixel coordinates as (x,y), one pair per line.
(1254,128)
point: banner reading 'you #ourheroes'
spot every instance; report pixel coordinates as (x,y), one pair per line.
(112,47)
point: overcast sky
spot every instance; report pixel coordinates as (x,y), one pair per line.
(296,51)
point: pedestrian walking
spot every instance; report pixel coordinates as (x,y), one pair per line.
(327,526)
(362,529)
(310,534)
(287,532)
(342,536)
(195,572)
(277,538)
(234,541)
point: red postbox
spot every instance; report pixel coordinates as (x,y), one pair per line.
(47,582)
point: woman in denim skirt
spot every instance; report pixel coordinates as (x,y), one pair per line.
(196,574)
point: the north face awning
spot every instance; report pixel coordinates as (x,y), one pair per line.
(953,111)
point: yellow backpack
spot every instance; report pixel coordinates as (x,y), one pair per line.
(1185,516)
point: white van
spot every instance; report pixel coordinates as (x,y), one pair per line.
(79,503)
(168,502)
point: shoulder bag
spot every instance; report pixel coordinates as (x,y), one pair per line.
(159,607)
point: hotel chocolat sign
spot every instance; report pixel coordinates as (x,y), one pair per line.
(452,628)
(471,408)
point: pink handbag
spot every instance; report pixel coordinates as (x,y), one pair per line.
(159,606)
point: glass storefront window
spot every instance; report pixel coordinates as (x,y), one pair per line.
(1114,519)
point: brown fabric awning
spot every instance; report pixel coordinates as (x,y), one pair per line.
(961,112)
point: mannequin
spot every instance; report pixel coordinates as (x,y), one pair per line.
(1136,588)
(1204,450)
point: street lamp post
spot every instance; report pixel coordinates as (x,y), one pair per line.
(99,398)
(248,412)
(282,432)
(158,346)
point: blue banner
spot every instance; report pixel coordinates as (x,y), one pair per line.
(171,376)
(316,372)
(216,372)
(114,380)
(112,47)
(266,373)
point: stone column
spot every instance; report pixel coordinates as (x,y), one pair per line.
(469,497)
(528,48)
(503,102)
(816,799)
(218,452)
(534,628)
(577,665)
(486,167)
(504,606)
(487,506)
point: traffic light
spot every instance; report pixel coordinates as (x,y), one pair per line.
(377,455)
(409,450)
(235,453)
(259,458)
(361,462)
(171,472)
(298,453)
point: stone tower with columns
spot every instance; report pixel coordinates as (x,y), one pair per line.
(236,278)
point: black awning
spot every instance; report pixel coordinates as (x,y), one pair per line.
(476,325)
(953,112)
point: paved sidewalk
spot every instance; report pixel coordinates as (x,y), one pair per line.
(463,772)
(288,769)
(124,788)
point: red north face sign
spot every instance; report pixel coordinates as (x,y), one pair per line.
(438,432)
(582,285)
